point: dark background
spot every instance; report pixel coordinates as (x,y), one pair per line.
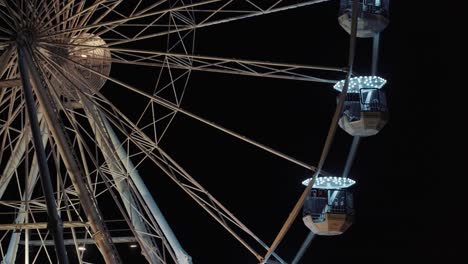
(400,210)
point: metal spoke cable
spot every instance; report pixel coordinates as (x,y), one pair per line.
(214,64)
(331,133)
(101,170)
(189,27)
(176,171)
(176,108)
(235,221)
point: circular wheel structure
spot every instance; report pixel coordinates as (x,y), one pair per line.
(77,121)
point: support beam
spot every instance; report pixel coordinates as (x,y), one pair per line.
(70,242)
(55,223)
(181,254)
(89,205)
(255,68)
(10,83)
(113,162)
(40,225)
(171,106)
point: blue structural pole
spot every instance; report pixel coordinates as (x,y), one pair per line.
(357,140)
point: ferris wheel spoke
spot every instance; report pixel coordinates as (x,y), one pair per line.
(158,160)
(86,14)
(45,13)
(5,30)
(199,194)
(173,107)
(228,12)
(24,9)
(228,15)
(117,172)
(142,237)
(130,18)
(176,172)
(13,15)
(79,18)
(206,21)
(217,64)
(57,14)
(7,19)
(133,13)
(117,184)
(74,21)
(154,117)
(107,12)
(169,170)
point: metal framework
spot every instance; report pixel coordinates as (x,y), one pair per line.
(58,124)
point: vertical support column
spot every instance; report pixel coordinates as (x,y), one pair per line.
(99,231)
(54,222)
(115,167)
(182,256)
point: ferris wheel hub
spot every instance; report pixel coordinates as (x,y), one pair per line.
(88,60)
(25,36)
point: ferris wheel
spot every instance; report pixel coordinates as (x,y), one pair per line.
(70,155)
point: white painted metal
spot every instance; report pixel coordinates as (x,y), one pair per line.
(122,186)
(182,256)
(55,55)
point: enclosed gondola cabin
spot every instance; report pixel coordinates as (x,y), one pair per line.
(372,16)
(328,209)
(365,110)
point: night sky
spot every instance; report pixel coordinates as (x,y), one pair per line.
(397,214)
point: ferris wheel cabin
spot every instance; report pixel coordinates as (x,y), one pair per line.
(329,208)
(365,110)
(372,16)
